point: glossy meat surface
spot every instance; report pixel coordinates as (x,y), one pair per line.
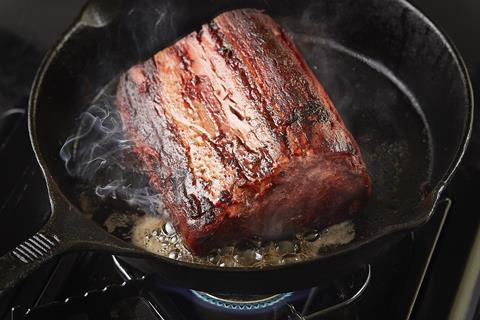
(239,137)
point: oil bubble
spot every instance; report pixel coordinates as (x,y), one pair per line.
(174,254)
(168,229)
(311,236)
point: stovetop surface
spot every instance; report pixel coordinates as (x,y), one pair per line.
(28,28)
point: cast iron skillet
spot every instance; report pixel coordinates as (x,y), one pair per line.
(399,84)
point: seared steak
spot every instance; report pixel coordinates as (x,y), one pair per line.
(239,137)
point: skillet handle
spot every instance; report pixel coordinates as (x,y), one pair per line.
(66,230)
(28,256)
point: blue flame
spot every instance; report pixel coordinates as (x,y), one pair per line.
(240,306)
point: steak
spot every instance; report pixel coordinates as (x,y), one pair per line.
(238,136)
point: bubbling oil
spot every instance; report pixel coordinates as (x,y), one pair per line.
(157,235)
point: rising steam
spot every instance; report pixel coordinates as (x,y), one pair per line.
(100,155)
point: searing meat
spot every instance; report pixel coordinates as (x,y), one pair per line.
(239,137)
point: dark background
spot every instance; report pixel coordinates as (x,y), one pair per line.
(35,20)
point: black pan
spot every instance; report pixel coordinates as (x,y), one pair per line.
(397,81)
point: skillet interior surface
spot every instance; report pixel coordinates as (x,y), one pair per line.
(396,82)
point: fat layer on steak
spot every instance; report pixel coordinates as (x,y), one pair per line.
(239,137)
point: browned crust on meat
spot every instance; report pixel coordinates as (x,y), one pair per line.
(238,136)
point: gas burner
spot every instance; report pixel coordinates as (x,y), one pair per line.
(235,306)
(338,296)
(241,302)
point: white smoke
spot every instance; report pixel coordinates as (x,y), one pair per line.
(100,156)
